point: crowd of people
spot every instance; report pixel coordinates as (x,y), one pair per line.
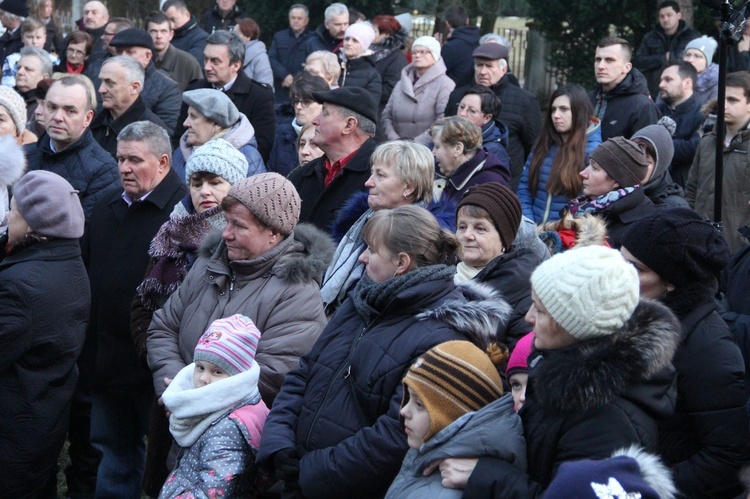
(361,263)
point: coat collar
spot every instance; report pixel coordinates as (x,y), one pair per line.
(162,193)
(131,114)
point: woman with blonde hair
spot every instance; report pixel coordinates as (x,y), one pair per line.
(334,428)
(462,160)
(551,176)
(402,174)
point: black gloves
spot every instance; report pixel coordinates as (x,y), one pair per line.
(286,463)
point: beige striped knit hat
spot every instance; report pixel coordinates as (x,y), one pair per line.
(452,379)
(271,198)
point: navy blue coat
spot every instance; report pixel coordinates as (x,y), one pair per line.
(192,39)
(287,56)
(457,54)
(689,119)
(321,39)
(90,169)
(342,403)
(284,156)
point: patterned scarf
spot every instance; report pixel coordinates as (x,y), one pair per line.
(582,205)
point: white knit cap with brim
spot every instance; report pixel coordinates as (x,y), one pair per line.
(590,291)
(430,43)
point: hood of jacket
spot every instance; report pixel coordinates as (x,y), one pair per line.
(633,83)
(477,316)
(593,373)
(495,430)
(305,256)
(468,34)
(253,49)
(495,131)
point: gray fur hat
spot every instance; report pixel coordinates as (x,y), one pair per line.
(214,105)
(49,204)
(219,157)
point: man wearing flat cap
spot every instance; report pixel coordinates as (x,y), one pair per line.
(121,85)
(161,94)
(12,13)
(343,131)
(520,109)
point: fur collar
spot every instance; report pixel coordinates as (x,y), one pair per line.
(303,262)
(654,472)
(477,316)
(592,373)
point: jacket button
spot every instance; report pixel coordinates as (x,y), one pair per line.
(210,278)
(221,294)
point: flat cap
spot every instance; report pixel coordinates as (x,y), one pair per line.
(492,51)
(355,99)
(15,7)
(215,105)
(132,37)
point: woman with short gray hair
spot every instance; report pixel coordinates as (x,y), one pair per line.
(212,115)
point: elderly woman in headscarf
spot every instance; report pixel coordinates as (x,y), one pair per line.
(212,115)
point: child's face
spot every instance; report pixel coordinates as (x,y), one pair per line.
(416,420)
(206,373)
(518,387)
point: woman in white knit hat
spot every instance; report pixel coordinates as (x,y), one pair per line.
(599,374)
(419,99)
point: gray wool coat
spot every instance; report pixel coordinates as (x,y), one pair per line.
(414,107)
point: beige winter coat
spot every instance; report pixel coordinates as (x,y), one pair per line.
(414,107)
(279,291)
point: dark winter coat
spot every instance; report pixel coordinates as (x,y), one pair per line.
(736,60)
(342,403)
(650,58)
(624,212)
(252,99)
(483,167)
(55,38)
(90,169)
(287,56)
(10,43)
(520,113)
(495,140)
(389,65)
(626,108)
(320,204)
(361,72)
(457,54)
(706,441)
(689,119)
(587,400)
(162,95)
(510,275)
(115,249)
(105,129)
(665,191)
(321,39)
(535,205)
(736,311)
(44,298)
(284,157)
(213,20)
(192,39)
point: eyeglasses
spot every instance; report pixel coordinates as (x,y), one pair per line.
(420,52)
(303,103)
(75,52)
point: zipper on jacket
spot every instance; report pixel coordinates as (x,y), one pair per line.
(347,366)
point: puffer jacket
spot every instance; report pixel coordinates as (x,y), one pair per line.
(706,441)
(535,206)
(256,64)
(626,108)
(321,39)
(483,167)
(361,72)
(290,315)
(699,191)
(495,430)
(589,399)
(90,169)
(241,136)
(162,95)
(495,140)
(510,275)
(650,58)
(342,403)
(45,300)
(624,212)
(414,107)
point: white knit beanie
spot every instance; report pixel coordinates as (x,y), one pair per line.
(590,291)
(219,157)
(430,43)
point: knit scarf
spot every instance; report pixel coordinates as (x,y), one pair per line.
(582,205)
(371,298)
(181,235)
(707,78)
(465,273)
(195,409)
(387,46)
